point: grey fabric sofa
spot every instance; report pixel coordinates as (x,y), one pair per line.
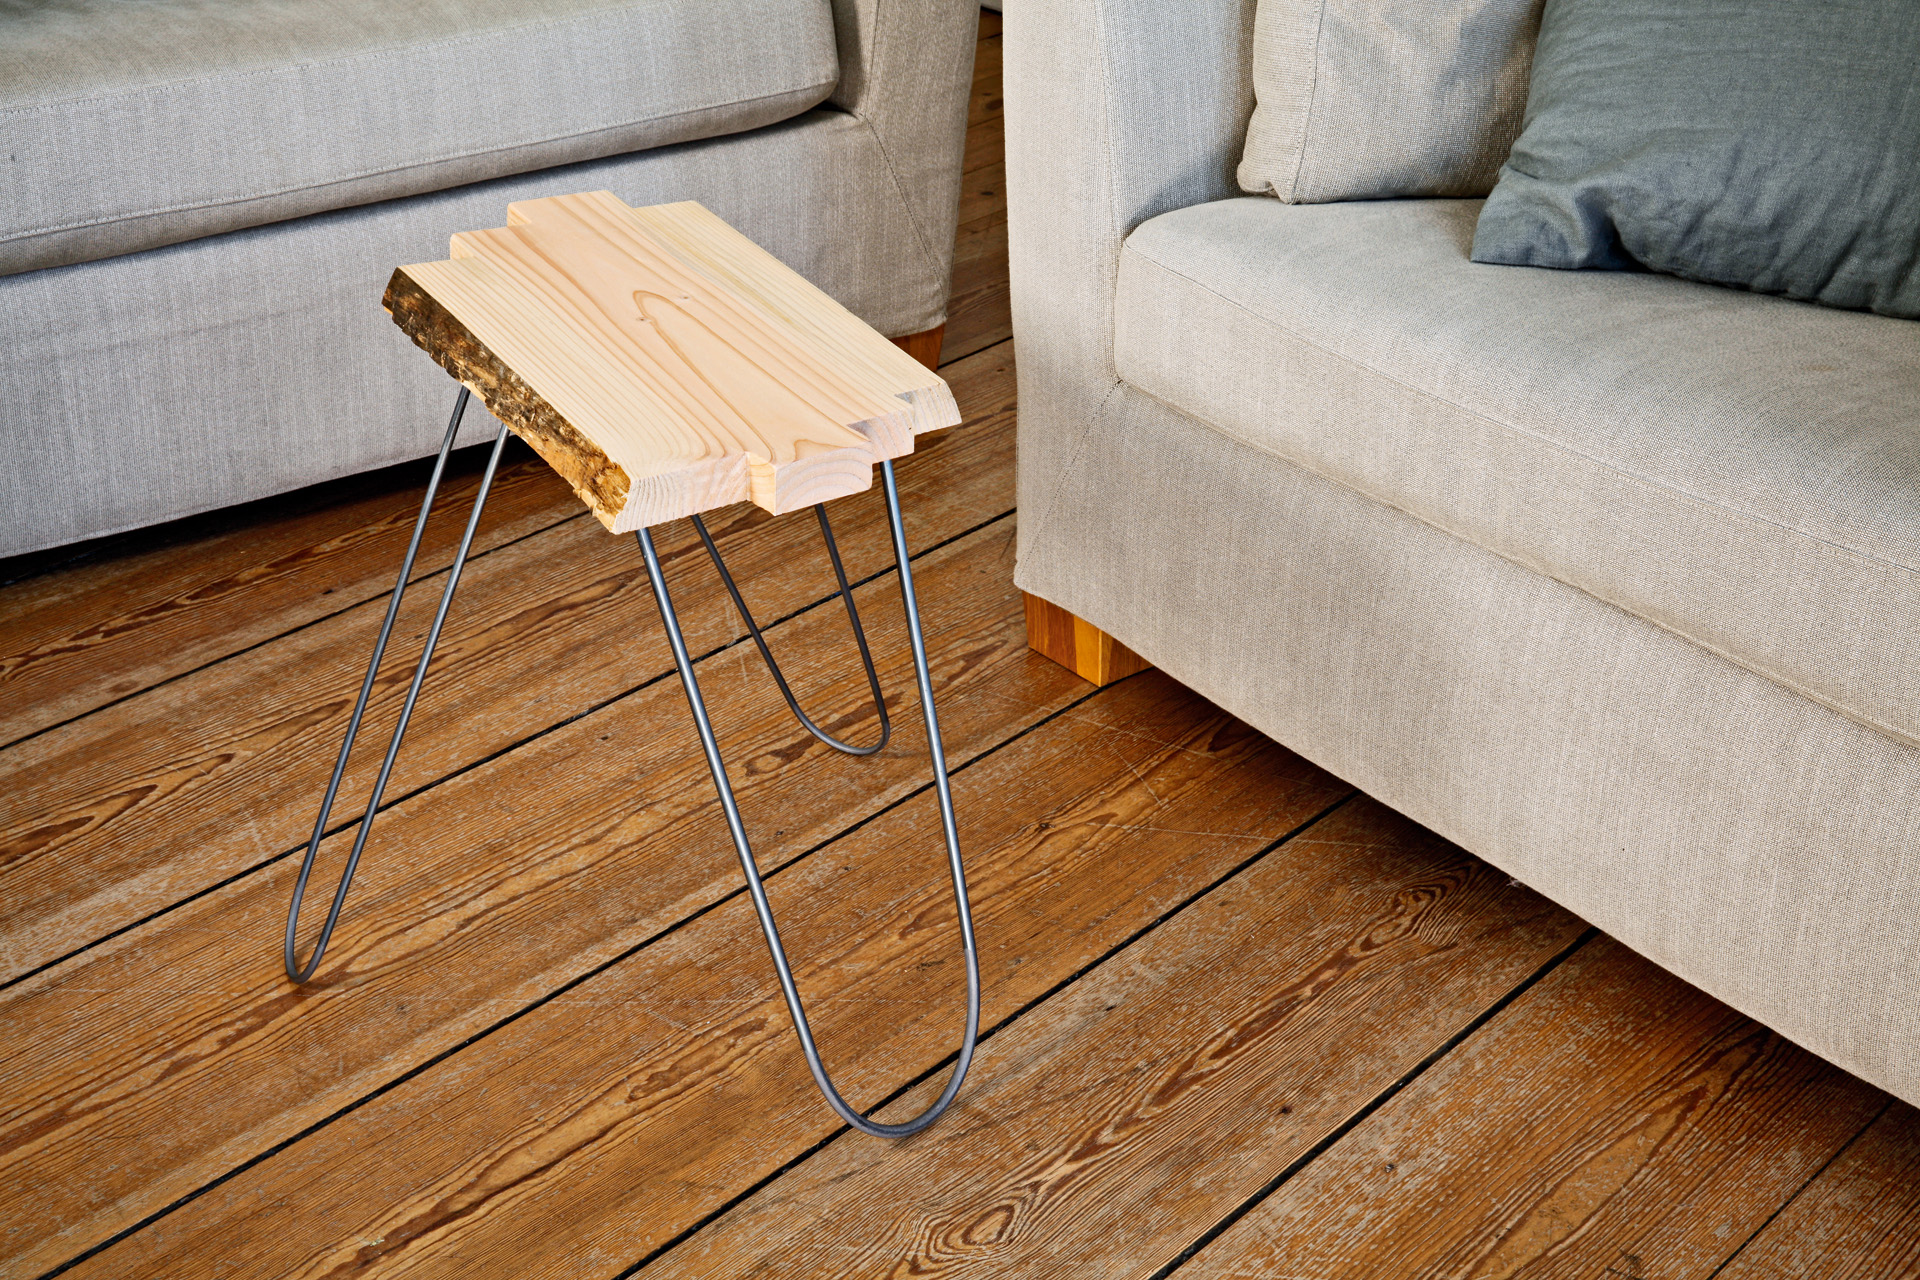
(200,204)
(1613,579)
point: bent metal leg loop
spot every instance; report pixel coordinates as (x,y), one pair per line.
(295,969)
(853,619)
(751,869)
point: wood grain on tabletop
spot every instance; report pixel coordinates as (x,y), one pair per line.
(662,362)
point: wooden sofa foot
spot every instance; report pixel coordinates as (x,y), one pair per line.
(924,346)
(1077,644)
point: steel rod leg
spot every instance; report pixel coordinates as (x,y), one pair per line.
(853,619)
(757,890)
(295,970)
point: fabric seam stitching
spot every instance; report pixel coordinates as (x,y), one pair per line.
(1313,96)
(1113,221)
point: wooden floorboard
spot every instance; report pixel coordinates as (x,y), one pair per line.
(108,819)
(77,640)
(1123,1118)
(681,1084)
(1858,1219)
(547,1040)
(483,894)
(979,312)
(1613,1122)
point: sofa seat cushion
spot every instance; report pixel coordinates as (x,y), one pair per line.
(128,126)
(1742,470)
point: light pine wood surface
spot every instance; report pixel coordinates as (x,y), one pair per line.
(662,362)
(1239,1021)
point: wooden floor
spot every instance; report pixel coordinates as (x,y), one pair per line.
(1238,1020)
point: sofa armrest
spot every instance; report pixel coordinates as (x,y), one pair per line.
(906,71)
(1117,110)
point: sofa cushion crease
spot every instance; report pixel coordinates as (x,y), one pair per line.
(178,118)
(1768,510)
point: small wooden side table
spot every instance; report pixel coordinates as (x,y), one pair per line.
(665,365)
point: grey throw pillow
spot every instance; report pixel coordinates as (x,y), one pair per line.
(1358,99)
(1770,144)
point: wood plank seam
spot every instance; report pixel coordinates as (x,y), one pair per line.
(1379,1100)
(519,743)
(772,870)
(988,1032)
(1280,784)
(346,606)
(1801,1190)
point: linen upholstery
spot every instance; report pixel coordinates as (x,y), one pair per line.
(1768,144)
(1761,846)
(1744,836)
(906,73)
(155,385)
(1359,99)
(127,126)
(1743,470)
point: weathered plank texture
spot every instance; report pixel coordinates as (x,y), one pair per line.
(986,141)
(682,1082)
(662,362)
(79,638)
(120,814)
(1124,1118)
(1613,1122)
(1859,1220)
(164,1057)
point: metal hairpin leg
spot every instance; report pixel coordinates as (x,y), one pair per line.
(751,869)
(853,618)
(294,968)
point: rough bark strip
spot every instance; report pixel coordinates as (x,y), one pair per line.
(596,478)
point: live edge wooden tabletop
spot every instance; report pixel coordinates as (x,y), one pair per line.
(663,363)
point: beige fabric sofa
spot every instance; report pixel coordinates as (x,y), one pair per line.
(200,204)
(1613,579)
